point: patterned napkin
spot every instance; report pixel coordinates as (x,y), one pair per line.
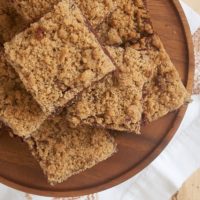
(165,175)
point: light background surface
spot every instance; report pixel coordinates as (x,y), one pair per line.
(195,4)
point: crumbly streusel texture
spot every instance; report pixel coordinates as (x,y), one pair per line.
(117,22)
(58,57)
(116,103)
(18,109)
(140,57)
(32,9)
(109,103)
(128,23)
(96,11)
(63,152)
(10,22)
(165,92)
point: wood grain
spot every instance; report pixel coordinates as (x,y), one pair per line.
(18,169)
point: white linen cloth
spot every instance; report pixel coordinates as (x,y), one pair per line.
(165,175)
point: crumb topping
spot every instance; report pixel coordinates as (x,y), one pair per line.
(58,57)
(32,9)
(18,109)
(62,151)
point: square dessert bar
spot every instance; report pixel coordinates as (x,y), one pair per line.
(116,103)
(32,9)
(18,109)
(58,57)
(120,100)
(62,151)
(165,92)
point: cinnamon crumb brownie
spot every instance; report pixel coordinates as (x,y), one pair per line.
(32,9)
(18,109)
(63,152)
(58,57)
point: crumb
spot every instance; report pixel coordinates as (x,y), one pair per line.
(34,9)
(18,109)
(111,105)
(53,65)
(62,151)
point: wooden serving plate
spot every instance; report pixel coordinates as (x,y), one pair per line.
(19,170)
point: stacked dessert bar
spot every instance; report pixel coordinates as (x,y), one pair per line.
(73,70)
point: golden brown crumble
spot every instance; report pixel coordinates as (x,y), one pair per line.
(115,102)
(96,11)
(18,109)
(62,151)
(165,92)
(58,57)
(129,25)
(126,24)
(32,9)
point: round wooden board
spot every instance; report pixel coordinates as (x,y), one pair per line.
(19,170)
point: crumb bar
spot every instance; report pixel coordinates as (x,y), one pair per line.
(96,11)
(32,9)
(62,151)
(58,57)
(18,109)
(165,92)
(116,103)
(147,59)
